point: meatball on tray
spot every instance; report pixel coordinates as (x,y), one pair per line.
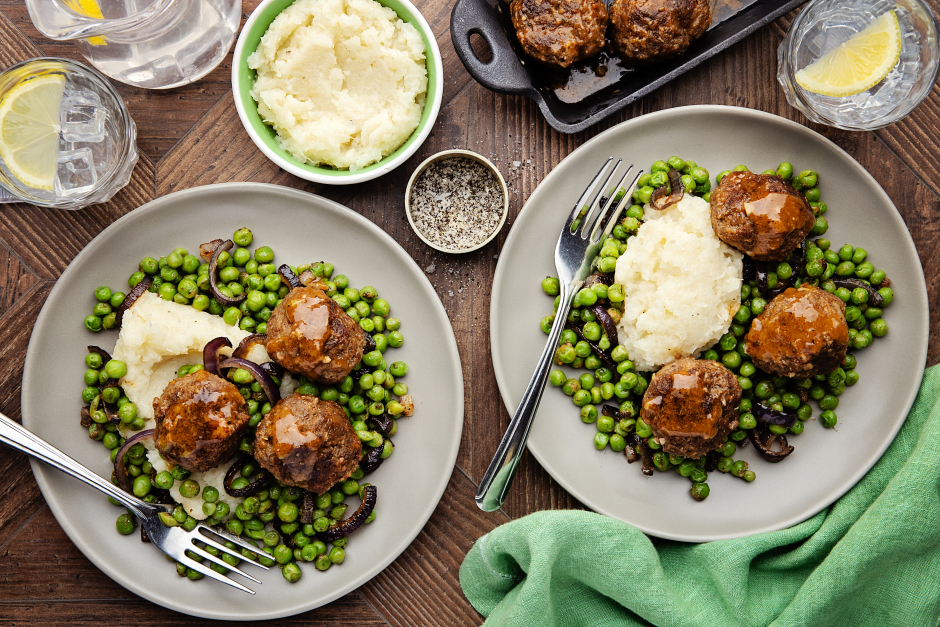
(586,91)
(410,483)
(825,462)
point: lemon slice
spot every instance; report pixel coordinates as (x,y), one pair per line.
(89,8)
(29,129)
(858,64)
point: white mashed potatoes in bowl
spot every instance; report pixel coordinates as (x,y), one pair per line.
(337,91)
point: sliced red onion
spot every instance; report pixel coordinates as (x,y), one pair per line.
(346,527)
(763,439)
(371,460)
(308,504)
(119,470)
(272,369)
(288,276)
(610,327)
(875,299)
(210,354)
(774,417)
(370,344)
(262,377)
(244,347)
(130,299)
(384,423)
(234,472)
(213,266)
(677,191)
(206,250)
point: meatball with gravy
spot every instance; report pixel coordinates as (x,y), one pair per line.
(200,419)
(801,333)
(310,334)
(761,215)
(653,30)
(691,405)
(307,442)
(559,32)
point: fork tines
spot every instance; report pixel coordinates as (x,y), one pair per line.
(186,557)
(588,215)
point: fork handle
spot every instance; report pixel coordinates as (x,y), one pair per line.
(14,435)
(495,484)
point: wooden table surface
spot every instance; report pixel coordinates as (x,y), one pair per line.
(191,136)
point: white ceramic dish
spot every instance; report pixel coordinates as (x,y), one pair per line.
(826,463)
(264,136)
(301,228)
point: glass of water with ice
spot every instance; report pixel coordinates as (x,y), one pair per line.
(859,64)
(66,139)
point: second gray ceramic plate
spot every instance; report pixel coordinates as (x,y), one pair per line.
(826,462)
(301,228)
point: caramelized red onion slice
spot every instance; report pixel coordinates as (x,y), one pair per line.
(206,250)
(213,275)
(610,327)
(288,276)
(234,472)
(646,453)
(244,347)
(604,355)
(308,505)
(262,377)
(210,354)
(749,267)
(384,423)
(771,416)
(874,298)
(119,470)
(676,192)
(346,527)
(372,459)
(763,440)
(129,300)
(370,344)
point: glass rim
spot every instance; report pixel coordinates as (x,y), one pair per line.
(127,148)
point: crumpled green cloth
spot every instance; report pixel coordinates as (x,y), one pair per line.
(871,558)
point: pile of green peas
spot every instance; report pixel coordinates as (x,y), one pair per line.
(103,399)
(271,516)
(780,393)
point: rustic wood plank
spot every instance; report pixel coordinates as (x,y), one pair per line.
(46,240)
(135,612)
(420,587)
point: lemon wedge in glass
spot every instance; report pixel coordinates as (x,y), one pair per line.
(857,64)
(29,129)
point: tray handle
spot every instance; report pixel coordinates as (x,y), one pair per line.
(504,73)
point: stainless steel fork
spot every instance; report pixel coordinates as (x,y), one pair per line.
(578,244)
(174,541)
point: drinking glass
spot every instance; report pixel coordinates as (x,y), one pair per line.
(824,24)
(96,146)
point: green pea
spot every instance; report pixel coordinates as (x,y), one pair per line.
(820,227)
(887,294)
(785,170)
(828,419)
(264,254)
(189,488)
(878,327)
(141,487)
(395,339)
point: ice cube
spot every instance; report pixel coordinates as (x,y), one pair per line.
(82,117)
(75,173)
(102,152)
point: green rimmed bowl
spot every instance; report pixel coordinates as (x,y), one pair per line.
(264,136)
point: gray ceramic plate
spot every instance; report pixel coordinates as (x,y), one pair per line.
(826,463)
(301,228)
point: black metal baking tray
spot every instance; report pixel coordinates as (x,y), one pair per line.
(573,99)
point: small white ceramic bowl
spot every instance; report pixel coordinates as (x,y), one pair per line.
(264,136)
(452,154)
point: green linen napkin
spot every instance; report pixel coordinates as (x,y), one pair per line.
(871,558)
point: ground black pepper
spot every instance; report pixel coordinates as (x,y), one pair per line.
(456,203)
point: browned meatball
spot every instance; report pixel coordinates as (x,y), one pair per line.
(200,418)
(310,334)
(691,406)
(760,215)
(307,442)
(559,32)
(653,30)
(801,333)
